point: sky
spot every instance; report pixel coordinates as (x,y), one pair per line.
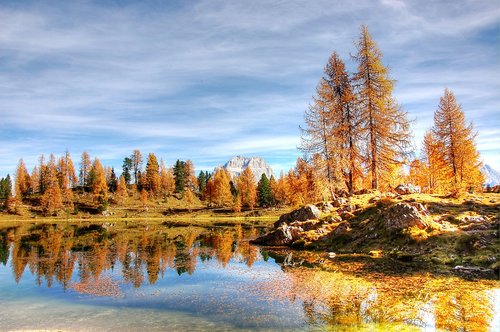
(208,80)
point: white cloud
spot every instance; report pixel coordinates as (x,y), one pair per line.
(208,79)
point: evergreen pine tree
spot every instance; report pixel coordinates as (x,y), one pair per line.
(180,176)
(264,192)
(126,169)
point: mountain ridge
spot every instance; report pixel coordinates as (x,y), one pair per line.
(236,165)
(491,175)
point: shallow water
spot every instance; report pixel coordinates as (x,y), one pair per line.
(143,277)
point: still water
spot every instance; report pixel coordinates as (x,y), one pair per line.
(134,276)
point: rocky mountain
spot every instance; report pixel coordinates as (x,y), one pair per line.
(491,176)
(258,166)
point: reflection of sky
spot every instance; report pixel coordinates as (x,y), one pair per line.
(211,295)
(209,79)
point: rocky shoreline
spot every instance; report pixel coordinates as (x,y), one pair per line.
(402,227)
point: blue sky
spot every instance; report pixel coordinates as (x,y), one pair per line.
(207,80)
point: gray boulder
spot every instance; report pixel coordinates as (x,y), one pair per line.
(403,215)
(406,189)
(302,214)
(281,236)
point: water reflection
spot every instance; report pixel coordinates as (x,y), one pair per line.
(51,251)
(88,258)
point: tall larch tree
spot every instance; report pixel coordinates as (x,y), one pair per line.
(317,137)
(281,190)
(43,172)
(333,127)
(35,180)
(136,158)
(221,188)
(67,178)
(385,124)
(99,185)
(85,167)
(66,171)
(246,188)
(152,175)
(191,179)
(344,118)
(209,193)
(51,201)
(22,181)
(167,180)
(457,140)
(121,189)
(436,168)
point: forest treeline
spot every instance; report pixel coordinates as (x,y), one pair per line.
(55,184)
(356,138)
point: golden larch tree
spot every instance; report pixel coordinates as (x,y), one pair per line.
(35,180)
(385,125)
(22,181)
(51,201)
(167,180)
(418,174)
(457,141)
(209,192)
(436,168)
(191,179)
(121,189)
(85,167)
(67,178)
(136,158)
(99,185)
(281,191)
(247,189)
(317,137)
(152,176)
(333,127)
(222,188)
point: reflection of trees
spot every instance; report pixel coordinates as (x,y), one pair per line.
(4,244)
(72,254)
(463,309)
(54,252)
(342,300)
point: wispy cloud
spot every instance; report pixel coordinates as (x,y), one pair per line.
(208,79)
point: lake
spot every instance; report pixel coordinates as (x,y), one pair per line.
(133,276)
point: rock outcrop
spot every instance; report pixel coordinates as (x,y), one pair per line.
(281,236)
(238,164)
(403,215)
